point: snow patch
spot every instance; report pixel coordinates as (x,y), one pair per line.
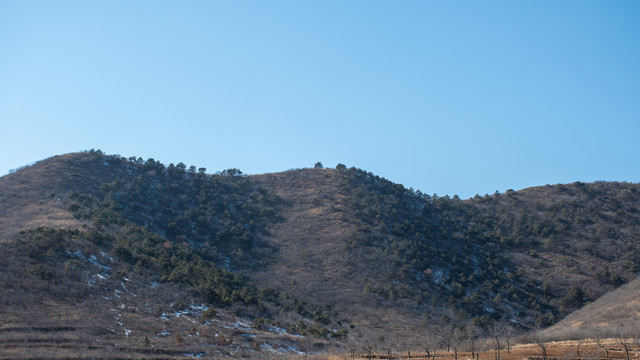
(104,255)
(226,262)
(280,331)
(186,312)
(93,260)
(281,349)
(240,325)
(276,330)
(439,276)
(193,354)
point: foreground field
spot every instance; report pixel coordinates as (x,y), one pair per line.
(567,350)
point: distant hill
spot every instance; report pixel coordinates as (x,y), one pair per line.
(333,255)
(616,313)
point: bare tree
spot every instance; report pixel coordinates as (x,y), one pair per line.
(543,347)
(353,347)
(473,333)
(446,334)
(508,332)
(305,344)
(408,342)
(621,338)
(369,346)
(389,343)
(496,331)
(596,351)
(593,354)
(599,334)
(429,343)
(636,333)
(541,342)
(578,348)
(456,336)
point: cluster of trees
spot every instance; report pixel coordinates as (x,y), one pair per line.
(442,255)
(564,218)
(55,254)
(54,258)
(185,225)
(457,252)
(434,341)
(224,212)
(191,228)
(593,224)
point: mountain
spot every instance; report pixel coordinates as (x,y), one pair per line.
(175,260)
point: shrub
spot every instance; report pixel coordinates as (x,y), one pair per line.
(209,314)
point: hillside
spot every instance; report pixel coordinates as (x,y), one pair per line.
(321,255)
(490,257)
(615,314)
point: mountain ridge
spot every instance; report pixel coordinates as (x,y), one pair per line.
(337,248)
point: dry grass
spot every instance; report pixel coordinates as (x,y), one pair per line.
(616,311)
(567,350)
(35,195)
(311,260)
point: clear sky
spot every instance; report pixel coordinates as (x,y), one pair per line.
(448,97)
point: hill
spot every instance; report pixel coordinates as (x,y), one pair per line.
(615,314)
(332,255)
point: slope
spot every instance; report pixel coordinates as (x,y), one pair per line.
(320,252)
(615,314)
(424,258)
(162,286)
(314,260)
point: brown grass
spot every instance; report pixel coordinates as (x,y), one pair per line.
(614,312)
(35,195)
(311,252)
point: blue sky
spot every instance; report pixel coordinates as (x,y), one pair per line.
(449,97)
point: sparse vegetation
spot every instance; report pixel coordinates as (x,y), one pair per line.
(177,259)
